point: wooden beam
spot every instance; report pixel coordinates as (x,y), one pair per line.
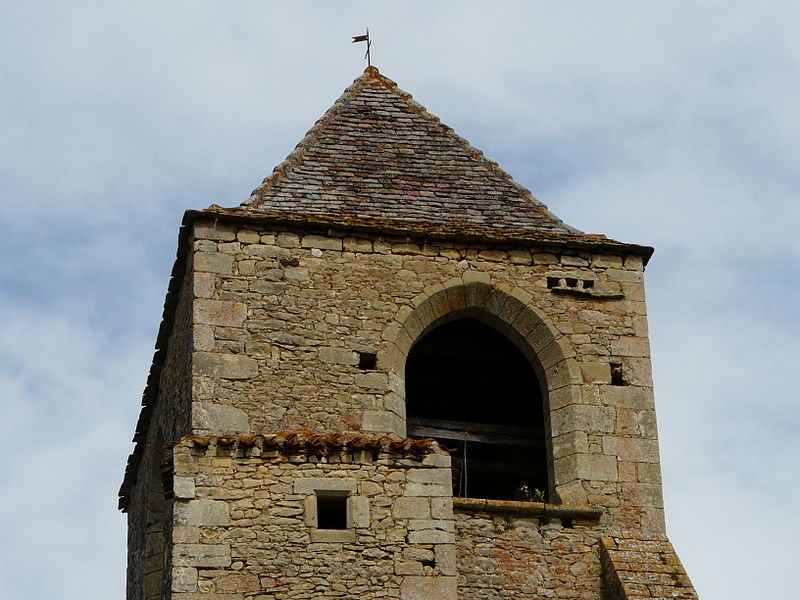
(484,433)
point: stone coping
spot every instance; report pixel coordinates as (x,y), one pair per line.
(539,509)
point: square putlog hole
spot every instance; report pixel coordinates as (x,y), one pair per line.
(367,361)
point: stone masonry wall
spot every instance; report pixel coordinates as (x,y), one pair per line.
(149,523)
(281,315)
(522,558)
(245,524)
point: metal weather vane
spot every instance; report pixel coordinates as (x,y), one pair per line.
(364,38)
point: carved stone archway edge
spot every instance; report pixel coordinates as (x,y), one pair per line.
(511,311)
(507,308)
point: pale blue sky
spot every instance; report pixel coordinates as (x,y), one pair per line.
(674,124)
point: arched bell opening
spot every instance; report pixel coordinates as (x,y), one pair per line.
(474,391)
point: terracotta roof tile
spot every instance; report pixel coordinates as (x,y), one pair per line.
(309,441)
(377,155)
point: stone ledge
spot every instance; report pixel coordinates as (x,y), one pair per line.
(540,509)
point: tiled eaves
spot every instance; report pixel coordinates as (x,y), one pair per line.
(452,232)
(309,442)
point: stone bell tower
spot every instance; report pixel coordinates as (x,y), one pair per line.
(393,373)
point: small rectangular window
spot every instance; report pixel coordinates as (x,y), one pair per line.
(367,361)
(331,511)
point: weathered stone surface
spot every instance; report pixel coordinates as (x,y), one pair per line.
(323,243)
(213,262)
(219,312)
(219,417)
(202,555)
(225,366)
(426,588)
(207,513)
(341,356)
(184,579)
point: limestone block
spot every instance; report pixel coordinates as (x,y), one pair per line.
(269,288)
(573,261)
(240,582)
(296,273)
(407,567)
(381,421)
(219,417)
(225,366)
(219,312)
(440,476)
(339,356)
(202,555)
(340,536)
(248,236)
(321,242)
(183,487)
(428,489)
(411,508)
(435,524)
(648,472)
(644,494)
(203,338)
(286,239)
(213,262)
(647,424)
(359,511)
(310,485)
(473,276)
(493,255)
(588,467)
(442,508)
(607,261)
(357,245)
(545,258)
(445,558)
(573,442)
(214,230)
(431,536)
(437,460)
(519,257)
(204,285)
(579,417)
(627,396)
(206,513)
(185,534)
(596,372)
(633,263)
(624,275)
(405,249)
(631,449)
(428,588)
(184,579)
(631,346)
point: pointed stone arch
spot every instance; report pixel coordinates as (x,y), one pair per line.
(511,311)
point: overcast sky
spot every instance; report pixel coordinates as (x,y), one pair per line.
(671,124)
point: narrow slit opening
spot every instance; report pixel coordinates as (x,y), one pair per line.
(616,374)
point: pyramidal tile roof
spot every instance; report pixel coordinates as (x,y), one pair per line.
(377,157)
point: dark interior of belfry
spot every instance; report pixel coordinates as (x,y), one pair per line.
(470,388)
